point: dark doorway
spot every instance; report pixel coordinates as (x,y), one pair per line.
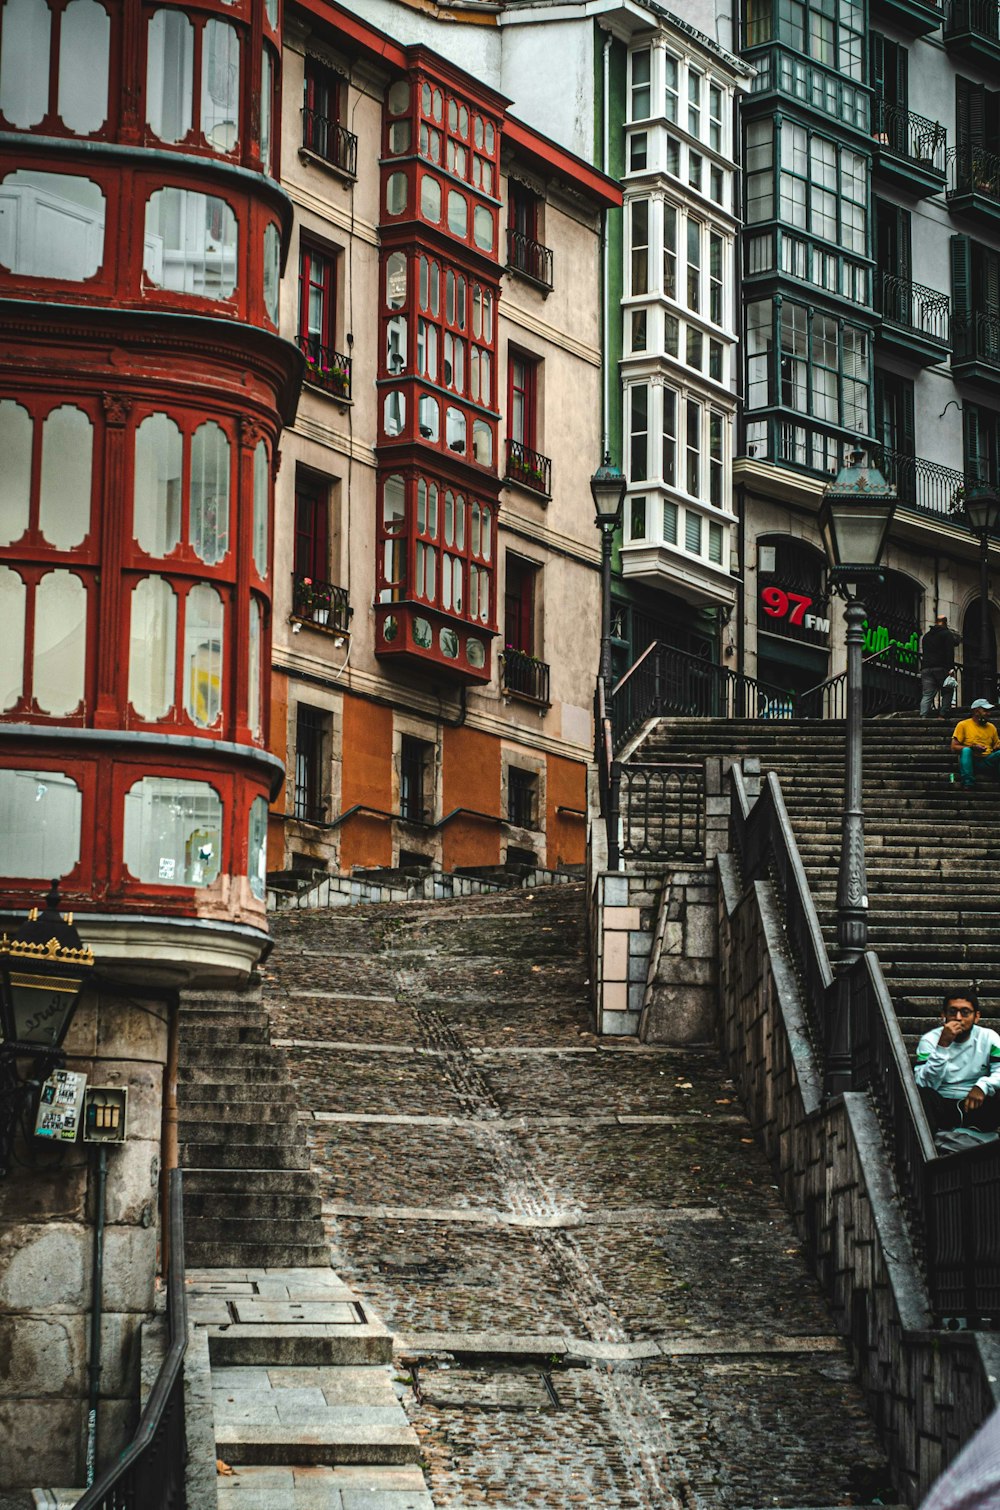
(969,685)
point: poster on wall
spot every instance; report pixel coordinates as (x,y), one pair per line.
(59,1106)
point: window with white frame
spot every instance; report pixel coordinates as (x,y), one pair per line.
(638,413)
(669,437)
(639,232)
(641,85)
(671,85)
(695,82)
(692,477)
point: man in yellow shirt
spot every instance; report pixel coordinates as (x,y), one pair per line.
(977,744)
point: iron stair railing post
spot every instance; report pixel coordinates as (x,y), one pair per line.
(614,804)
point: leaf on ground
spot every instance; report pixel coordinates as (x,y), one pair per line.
(223,1468)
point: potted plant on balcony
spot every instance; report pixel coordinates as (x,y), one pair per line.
(311,602)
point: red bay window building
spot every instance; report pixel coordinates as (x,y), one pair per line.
(143,387)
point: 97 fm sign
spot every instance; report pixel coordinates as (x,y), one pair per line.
(793,608)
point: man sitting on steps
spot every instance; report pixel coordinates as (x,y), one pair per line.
(958,1068)
(977,744)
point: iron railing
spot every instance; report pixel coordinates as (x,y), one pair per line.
(977,338)
(915,309)
(669,682)
(662,809)
(980,17)
(524,675)
(913,138)
(330,140)
(322,604)
(529,468)
(149,1474)
(886,687)
(919,484)
(609,773)
(973,170)
(326,368)
(532,258)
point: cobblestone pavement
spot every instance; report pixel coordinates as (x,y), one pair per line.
(597,1296)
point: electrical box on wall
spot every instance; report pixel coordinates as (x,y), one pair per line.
(104,1114)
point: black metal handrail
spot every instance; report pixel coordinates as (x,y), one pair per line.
(330,140)
(913,307)
(977,338)
(609,773)
(892,689)
(980,17)
(974,170)
(321,604)
(662,811)
(919,484)
(326,368)
(529,468)
(532,258)
(149,1475)
(912,137)
(665,682)
(524,675)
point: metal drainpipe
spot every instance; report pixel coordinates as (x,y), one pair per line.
(605,274)
(169,1156)
(95,1312)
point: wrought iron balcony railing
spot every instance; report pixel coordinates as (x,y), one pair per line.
(320,604)
(974,171)
(524,675)
(913,308)
(330,140)
(980,18)
(529,468)
(977,339)
(920,484)
(326,368)
(530,258)
(914,138)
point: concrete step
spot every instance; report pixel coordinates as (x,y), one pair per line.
(216,1204)
(375,1486)
(198,1032)
(303,1446)
(245,1156)
(219,1054)
(198,1093)
(249,1133)
(299,1346)
(254,1255)
(239,1111)
(249,1183)
(273,1072)
(240,1231)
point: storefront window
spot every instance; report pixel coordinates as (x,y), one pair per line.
(156,509)
(203,630)
(67,463)
(40,816)
(173,832)
(190,243)
(152,649)
(15,474)
(60,642)
(51,225)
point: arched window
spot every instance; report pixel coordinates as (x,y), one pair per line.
(15,473)
(272,271)
(220,86)
(261,502)
(208,525)
(24,62)
(152,666)
(254,697)
(60,643)
(169,75)
(84,40)
(204,620)
(156,506)
(67,464)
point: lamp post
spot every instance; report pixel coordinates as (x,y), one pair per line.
(854,520)
(43,967)
(982,512)
(607,487)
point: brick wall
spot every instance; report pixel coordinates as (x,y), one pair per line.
(928,1389)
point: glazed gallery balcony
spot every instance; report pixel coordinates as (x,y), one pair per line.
(321,605)
(910,150)
(331,141)
(326,368)
(916,321)
(529,469)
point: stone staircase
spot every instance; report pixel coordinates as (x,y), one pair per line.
(249,1197)
(934,917)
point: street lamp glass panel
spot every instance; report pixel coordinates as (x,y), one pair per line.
(41,1005)
(607,487)
(982,506)
(858,534)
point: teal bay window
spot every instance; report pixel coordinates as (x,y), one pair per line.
(830,32)
(821,187)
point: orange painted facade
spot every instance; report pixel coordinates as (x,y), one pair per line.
(470,779)
(566,805)
(367,779)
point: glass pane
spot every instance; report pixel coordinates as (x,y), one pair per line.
(156,508)
(271,11)
(24,62)
(51,225)
(395,280)
(261,501)
(60,642)
(220,86)
(257,848)
(265,110)
(12,601)
(169,69)
(395,194)
(253,671)
(209,522)
(203,626)
(393,504)
(67,458)
(430,199)
(458,213)
(190,244)
(40,814)
(272,271)
(83,66)
(173,832)
(152,649)
(15,474)
(483,228)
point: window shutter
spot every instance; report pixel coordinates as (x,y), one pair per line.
(970,113)
(961,275)
(907,422)
(974,458)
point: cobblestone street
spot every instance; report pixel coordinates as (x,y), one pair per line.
(597,1297)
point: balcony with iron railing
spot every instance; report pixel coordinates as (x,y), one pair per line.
(529,469)
(916,321)
(531,259)
(321,605)
(972,29)
(918,17)
(523,675)
(326,368)
(976,352)
(910,150)
(923,485)
(331,141)
(974,183)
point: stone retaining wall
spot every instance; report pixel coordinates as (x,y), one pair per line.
(928,1389)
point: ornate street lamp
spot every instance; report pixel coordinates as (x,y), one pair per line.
(43,967)
(607,487)
(854,521)
(982,513)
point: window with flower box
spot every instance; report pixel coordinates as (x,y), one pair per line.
(326,367)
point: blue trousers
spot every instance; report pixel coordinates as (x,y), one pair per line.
(969,763)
